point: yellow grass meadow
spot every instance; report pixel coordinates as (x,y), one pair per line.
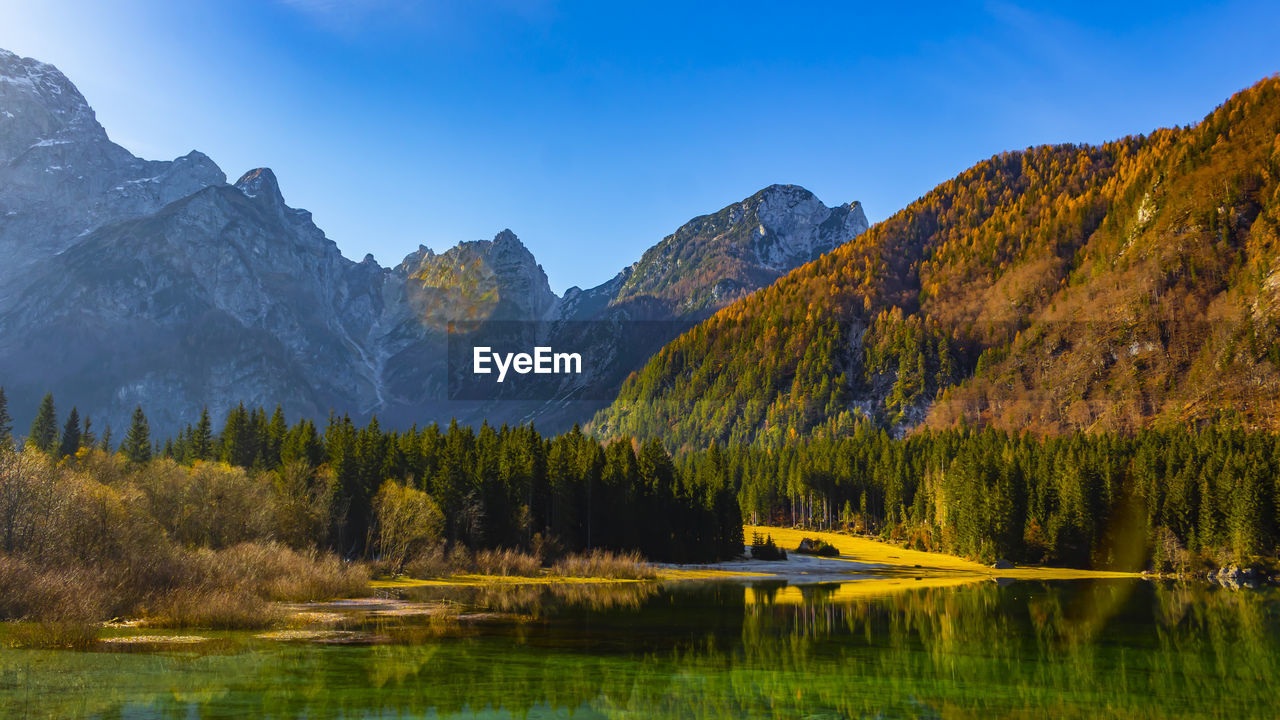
(899,560)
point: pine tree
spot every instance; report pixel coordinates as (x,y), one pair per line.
(137,442)
(257,438)
(70,435)
(105,445)
(87,438)
(6,423)
(44,429)
(276,430)
(237,440)
(202,437)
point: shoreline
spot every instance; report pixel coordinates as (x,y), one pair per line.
(861,560)
(881,559)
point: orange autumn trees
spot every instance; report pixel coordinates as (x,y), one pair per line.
(1065,287)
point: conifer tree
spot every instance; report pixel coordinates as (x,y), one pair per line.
(276,430)
(44,429)
(137,442)
(87,438)
(237,438)
(105,445)
(202,437)
(257,438)
(6,423)
(70,435)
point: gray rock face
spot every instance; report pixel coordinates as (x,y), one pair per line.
(425,297)
(222,296)
(703,266)
(715,259)
(61,177)
(129,282)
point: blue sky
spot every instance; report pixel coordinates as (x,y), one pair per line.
(593,129)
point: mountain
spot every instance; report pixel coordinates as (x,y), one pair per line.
(134,282)
(617,325)
(704,265)
(1055,289)
(61,177)
(717,258)
(226,293)
(427,295)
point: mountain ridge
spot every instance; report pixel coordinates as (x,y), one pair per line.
(1011,295)
(159,283)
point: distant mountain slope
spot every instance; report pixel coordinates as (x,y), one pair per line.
(129,282)
(617,325)
(704,265)
(224,295)
(61,177)
(1053,289)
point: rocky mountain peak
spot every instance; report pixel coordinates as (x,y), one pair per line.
(216,293)
(39,107)
(783,193)
(714,258)
(197,163)
(261,183)
(506,237)
(61,177)
(519,273)
(794,225)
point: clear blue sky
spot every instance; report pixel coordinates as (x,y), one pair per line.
(592,129)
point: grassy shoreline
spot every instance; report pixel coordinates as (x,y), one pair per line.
(661,574)
(898,560)
(865,566)
(874,566)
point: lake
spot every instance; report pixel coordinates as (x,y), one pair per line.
(1082,648)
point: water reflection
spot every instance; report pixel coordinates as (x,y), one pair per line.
(1067,649)
(540,600)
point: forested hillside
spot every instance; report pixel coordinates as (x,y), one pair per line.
(1162,499)
(1060,288)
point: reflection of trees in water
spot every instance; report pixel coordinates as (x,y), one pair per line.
(1119,648)
(539,600)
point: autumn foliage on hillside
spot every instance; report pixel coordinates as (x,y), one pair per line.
(1059,288)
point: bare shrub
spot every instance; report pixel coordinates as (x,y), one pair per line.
(28,497)
(438,561)
(213,609)
(75,551)
(407,521)
(604,564)
(276,572)
(55,594)
(1168,554)
(208,505)
(507,563)
(110,469)
(304,502)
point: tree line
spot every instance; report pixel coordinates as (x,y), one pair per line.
(506,487)
(1162,498)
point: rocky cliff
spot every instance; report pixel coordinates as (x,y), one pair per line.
(127,282)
